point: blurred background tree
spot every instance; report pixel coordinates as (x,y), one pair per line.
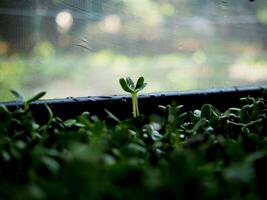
(68,47)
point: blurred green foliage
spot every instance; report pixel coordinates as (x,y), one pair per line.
(178,154)
(189,44)
(81,75)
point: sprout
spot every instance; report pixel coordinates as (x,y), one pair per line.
(129,86)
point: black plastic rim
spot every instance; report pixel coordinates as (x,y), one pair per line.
(120,105)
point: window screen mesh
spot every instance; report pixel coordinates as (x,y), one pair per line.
(82,47)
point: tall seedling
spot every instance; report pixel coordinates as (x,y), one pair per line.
(129,86)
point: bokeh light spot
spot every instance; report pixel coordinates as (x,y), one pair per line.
(64,20)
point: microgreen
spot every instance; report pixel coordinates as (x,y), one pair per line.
(129,86)
(19,96)
(177,154)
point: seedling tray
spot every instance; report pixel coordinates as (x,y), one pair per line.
(190,154)
(120,105)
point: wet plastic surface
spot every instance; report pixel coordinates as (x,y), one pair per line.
(148,103)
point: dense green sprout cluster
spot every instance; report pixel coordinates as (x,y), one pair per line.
(200,154)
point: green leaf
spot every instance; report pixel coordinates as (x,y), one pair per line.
(239,172)
(5,117)
(245,113)
(70,122)
(50,114)
(124,86)
(182,117)
(130,83)
(3,109)
(6,156)
(20,144)
(51,164)
(135,149)
(36,97)
(85,114)
(245,129)
(206,111)
(58,122)
(18,95)
(154,134)
(197,114)
(141,88)
(162,108)
(112,116)
(199,124)
(140,82)
(178,108)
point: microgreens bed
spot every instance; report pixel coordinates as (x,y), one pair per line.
(176,154)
